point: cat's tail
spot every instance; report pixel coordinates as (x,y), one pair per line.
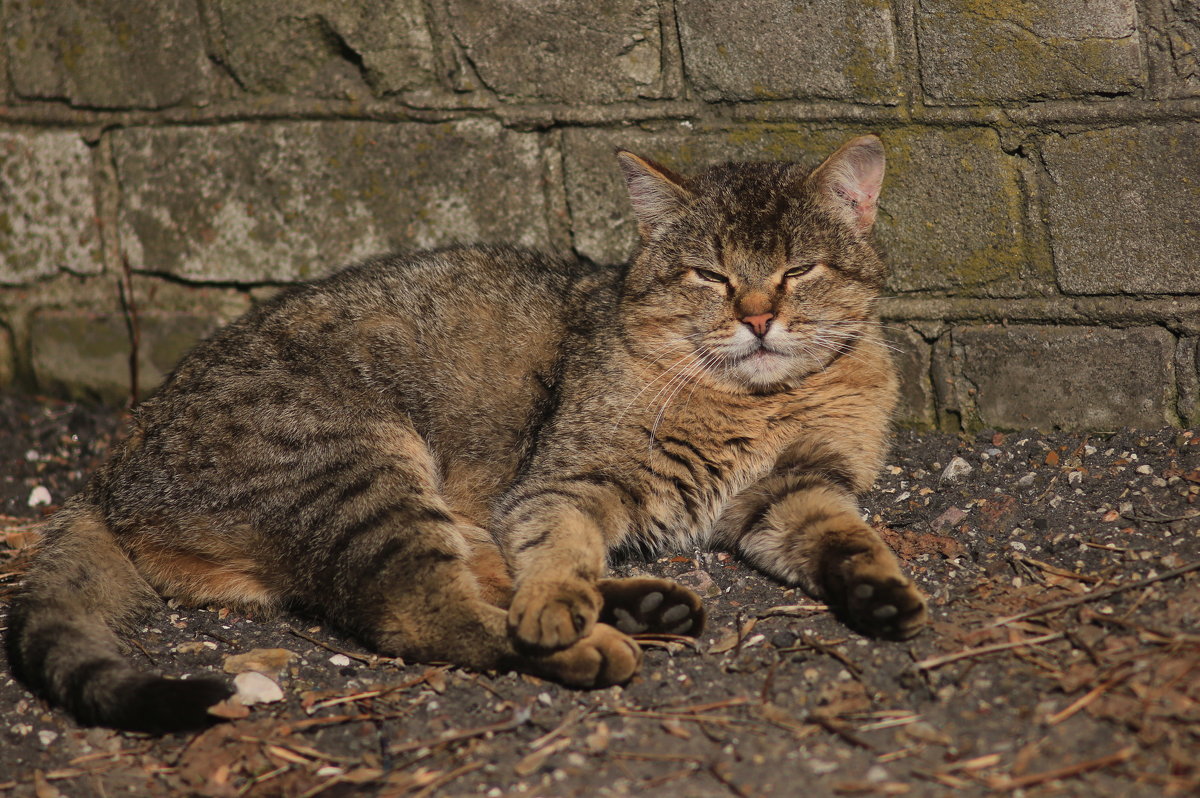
(61,640)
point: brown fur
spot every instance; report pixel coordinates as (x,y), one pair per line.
(439,452)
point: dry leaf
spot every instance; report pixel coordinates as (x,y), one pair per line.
(229,710)
(267,661)
(436,679)
(925,733)
(533,762)
(725,643)
(597,741)
(194,647)
(362,775)
(21,540)
(676,729)
(287,755)
(43,788)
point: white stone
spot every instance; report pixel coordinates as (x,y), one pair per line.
(39,496)
(254,688)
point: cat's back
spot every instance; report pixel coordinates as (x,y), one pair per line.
(442,317)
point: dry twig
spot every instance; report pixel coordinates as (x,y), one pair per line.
(937,662)
(370,660)
(1005,783)
(1074,601)
(519,718)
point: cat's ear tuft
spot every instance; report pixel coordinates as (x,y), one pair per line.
(849,181)
(656,193)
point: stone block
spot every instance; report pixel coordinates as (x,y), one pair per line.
(772,49)
(563,50)
(107,53)
(47,206)
(975,50)
(1075,378)
(82,355)
(1123,206)
(950,214)
(325,47)
(252,203)
(912,358)
(1181,32)
(1187,371)
(8,362)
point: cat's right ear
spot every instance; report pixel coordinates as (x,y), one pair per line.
(849,181)
(657,193)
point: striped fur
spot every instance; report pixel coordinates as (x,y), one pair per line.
(437,452)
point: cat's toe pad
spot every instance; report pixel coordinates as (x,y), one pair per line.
(651,606)
(889,607)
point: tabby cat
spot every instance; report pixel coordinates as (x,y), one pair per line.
(437,452)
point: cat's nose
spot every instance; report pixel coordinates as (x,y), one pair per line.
(759,323)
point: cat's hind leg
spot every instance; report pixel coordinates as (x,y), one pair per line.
(412,580)
(440,615)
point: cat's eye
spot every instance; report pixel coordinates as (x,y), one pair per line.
(711,277)
(800,271)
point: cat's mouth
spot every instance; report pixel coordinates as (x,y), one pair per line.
(763,352)
(757,352)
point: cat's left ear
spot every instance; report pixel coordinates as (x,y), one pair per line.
(849,181)
(656,193)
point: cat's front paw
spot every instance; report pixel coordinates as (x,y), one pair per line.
(651,606)
(548,615)
(601,658)
(874,595)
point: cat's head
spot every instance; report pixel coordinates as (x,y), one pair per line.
(754,275)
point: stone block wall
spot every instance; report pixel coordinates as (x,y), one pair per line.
(163,165)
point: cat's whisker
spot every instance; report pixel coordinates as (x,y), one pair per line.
(692,358)
(695,368)
(628,405)
(857,335)
(843,350)
(716,359)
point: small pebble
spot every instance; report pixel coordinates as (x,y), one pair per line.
(877,774)
(341,660)
(39,496)
(956,470)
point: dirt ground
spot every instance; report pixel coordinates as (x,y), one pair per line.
(1063,657)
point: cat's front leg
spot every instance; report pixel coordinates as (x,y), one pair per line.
(805,529)
(555,535)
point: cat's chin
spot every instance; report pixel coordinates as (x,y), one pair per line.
(765,370)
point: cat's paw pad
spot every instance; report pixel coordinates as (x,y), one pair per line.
(884,606)
(601,658)
(651,606)
(552,615)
